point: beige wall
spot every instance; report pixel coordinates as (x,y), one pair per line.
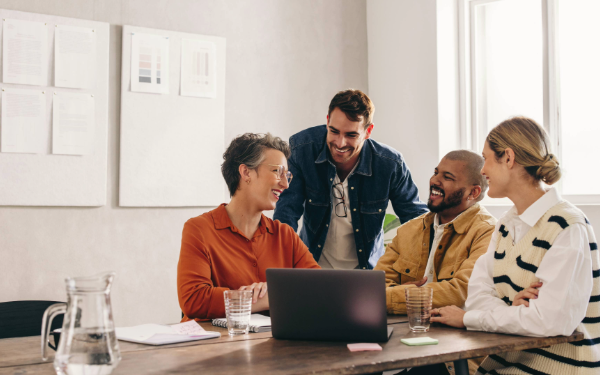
(285,60)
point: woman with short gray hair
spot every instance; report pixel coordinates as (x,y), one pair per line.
(231,246)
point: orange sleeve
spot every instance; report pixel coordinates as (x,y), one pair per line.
(198,297)
(302,257)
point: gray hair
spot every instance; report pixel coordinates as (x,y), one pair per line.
(474,165)
(248,149)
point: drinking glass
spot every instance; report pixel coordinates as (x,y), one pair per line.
(238,308)
(418,308)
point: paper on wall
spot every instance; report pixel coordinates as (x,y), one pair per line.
(198,68)
(149,63)
(73,124)
(75,57)
(23,119)
(24,52)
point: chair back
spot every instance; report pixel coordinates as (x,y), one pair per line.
(24,318)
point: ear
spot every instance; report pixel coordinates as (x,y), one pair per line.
(475,192)
(244,173)
(369,130)
(327,120)
(509,158)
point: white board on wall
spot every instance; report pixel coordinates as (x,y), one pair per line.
(44,179)
(171,145)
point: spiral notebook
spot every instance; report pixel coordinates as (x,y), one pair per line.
(258,323)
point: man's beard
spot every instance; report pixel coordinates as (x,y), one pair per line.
(451,201)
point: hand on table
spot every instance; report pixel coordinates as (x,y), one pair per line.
(260,299)
(417,283)
(259,290)
(523,297)
(449,315)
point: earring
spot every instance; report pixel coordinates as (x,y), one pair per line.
(468,198)
(248,181)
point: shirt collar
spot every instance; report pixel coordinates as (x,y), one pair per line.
(535,212)
(461,223)
(436,222)
(222,221)
(363,166)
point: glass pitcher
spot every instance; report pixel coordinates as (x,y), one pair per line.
(88,344)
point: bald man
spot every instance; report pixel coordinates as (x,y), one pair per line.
(439,249)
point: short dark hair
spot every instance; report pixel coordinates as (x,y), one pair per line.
(248,149)
(355,104)
(474,163)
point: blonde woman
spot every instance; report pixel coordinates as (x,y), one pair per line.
(540,274)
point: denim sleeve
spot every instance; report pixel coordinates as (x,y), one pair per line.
(290,206)
(404,195)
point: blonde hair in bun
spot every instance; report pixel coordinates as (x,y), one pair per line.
(531,146)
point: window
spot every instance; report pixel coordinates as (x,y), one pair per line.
(540,59)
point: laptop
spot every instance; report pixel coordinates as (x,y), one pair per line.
(331,305)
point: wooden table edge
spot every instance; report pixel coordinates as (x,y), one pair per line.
(445,357)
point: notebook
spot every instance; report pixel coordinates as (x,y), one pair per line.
(157,334)
(258,323)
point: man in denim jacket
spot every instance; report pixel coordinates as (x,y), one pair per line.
(342,183)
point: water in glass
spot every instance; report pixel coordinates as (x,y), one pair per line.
(238,308)
(418,308)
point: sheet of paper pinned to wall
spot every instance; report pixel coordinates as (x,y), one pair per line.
(73,125)
(23,120)
(198,68)
(74,57)
(25,52)
(149,63)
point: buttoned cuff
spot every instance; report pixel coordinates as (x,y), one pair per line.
(472,320)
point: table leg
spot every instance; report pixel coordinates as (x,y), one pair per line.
(461,367)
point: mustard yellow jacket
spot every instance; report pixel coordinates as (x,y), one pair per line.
(463,241)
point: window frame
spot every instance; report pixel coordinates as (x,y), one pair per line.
(469,130)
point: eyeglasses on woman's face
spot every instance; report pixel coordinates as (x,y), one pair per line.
(281,172)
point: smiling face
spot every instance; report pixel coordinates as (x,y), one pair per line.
(266,186)
(495,172)
(345,138)
(449,187)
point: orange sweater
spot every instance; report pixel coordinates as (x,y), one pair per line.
(216,257)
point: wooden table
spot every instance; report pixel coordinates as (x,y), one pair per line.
(259,353)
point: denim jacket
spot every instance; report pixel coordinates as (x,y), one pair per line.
(380,176)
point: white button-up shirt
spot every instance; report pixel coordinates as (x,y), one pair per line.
(565,271)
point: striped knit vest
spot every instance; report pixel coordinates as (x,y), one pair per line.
(514,270)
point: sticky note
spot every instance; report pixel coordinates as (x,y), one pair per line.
(363,347)
(416,341)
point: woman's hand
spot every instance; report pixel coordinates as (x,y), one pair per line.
(449,315)
(523,297)
(259,290)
